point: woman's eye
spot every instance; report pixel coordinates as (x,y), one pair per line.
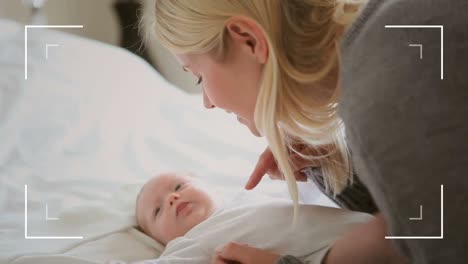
(199,80)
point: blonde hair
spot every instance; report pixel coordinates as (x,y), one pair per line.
(297,102)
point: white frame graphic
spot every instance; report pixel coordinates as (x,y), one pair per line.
(26,236)
(441,27)
(26,27)
(441,223)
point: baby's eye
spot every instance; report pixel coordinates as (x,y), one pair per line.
(199,80)
(178,186)
(156,212)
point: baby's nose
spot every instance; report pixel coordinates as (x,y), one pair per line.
(172,198)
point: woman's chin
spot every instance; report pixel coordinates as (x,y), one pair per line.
(256,133)
(249,125)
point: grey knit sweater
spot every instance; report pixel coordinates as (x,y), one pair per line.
(406,114)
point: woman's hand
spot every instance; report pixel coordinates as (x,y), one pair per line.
(266,164)
(235,253)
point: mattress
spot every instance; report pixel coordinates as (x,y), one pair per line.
(84,131)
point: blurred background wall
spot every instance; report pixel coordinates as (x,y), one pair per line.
(107,21)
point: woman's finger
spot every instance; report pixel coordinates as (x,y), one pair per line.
(263,164)
(256,176)
(274,173)
(267,165)
(299,175)
(276,177)
(217,260)
(300,163)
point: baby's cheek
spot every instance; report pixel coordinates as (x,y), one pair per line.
(161,232)
(174,231)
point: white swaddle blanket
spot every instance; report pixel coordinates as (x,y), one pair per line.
(263,223)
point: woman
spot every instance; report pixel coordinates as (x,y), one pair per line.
(286,68)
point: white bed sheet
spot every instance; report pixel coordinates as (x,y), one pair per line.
(84,131)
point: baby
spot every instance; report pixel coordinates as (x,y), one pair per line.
(171,204)
(191,223)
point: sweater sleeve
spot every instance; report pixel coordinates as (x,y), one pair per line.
(404,104)
(315,257)
(288,259)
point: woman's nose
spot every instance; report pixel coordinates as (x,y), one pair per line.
(172,198)
(206,101)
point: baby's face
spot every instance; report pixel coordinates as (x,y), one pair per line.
(169,205)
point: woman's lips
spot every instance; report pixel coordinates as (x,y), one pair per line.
(181,207)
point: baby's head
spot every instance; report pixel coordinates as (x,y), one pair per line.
(170,204)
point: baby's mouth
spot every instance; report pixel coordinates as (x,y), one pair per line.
(181,207)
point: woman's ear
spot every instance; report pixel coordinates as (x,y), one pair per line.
(249,36)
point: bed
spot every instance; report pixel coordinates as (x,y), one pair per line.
(79,136)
